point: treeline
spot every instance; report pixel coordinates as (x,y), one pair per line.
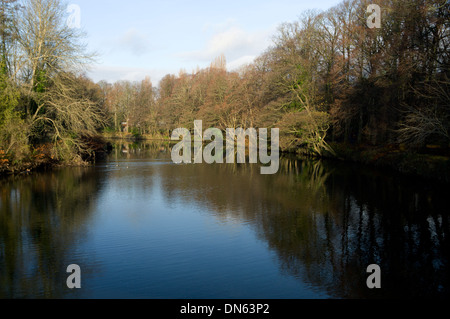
(327,78)
(49,111)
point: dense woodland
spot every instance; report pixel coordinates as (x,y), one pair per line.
(327,80)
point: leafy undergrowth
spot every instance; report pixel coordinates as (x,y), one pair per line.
(39,157)
(45,156)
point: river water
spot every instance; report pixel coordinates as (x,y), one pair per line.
(140,226)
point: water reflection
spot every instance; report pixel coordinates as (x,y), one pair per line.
(324,221)
(43,219)
(327,221)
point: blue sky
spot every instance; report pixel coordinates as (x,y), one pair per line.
(137,38)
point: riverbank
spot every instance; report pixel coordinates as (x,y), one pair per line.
(43,158)
(431,162)
(134,137)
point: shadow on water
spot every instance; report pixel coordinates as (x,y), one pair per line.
(345,218)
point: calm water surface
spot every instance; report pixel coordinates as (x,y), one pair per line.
(140,226)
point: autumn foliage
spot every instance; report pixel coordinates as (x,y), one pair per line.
(327,78)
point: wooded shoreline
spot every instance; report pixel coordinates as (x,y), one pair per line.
(333,86)
(432,164)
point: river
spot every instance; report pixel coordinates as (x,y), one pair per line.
(140,226)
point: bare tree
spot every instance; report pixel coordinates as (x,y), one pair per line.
(47,45)
(73,116)
(430,120)
(51,59)
(299,70)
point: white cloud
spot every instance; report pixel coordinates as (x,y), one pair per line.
(113,74)
(234,42)
(134,41)
(239,46)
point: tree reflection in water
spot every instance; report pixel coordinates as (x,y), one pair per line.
(362,217)
(346,218)
(326,221)
(329,221)
(43,219)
